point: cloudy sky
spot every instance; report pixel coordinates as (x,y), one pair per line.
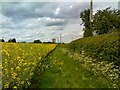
(27,21)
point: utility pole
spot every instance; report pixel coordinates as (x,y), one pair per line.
(119,5)
(57,39)
(91,17)
(91,10)
(60,38)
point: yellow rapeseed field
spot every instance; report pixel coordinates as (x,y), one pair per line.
(19,60)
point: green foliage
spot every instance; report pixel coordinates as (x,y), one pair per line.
(85,16)
(105,21)
(87,32)
(100,68)
(100,54)
(102,48)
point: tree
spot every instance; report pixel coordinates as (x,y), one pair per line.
(106,21)
(12,40)
(85,17)
(2,40)
(87,32)
(37,41)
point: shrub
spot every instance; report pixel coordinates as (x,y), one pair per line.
(102,47)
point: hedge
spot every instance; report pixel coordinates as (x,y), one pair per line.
(101,47)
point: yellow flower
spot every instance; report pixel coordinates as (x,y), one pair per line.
(14,75)
(22,82)
(18,57)
(31,73)
(24,60)
(28,83)
(17,67)
(15,87)
(26,78)
(6,86)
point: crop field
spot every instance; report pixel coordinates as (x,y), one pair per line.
(85,63)
(19,61)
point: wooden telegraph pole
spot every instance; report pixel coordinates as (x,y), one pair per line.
(91,10)
(91,16)
(61,38)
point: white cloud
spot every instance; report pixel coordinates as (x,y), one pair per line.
(71,6)
(57,11)
(55,28)
(5,20)
(38,19)
(47,19)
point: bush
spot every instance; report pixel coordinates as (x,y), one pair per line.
(37,41)
(102,47)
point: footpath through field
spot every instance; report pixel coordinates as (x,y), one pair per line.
(61,71)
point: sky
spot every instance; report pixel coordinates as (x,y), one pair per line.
(29,21)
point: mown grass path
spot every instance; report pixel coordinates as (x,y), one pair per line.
(61,71)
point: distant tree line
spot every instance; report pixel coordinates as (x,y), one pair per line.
(10,40)
(37,41)
(14,41)
(104,21)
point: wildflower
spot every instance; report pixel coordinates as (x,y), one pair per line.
(6,85)
(17,67)
(22,82)
(28,83)
(15,87)
(24,60)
